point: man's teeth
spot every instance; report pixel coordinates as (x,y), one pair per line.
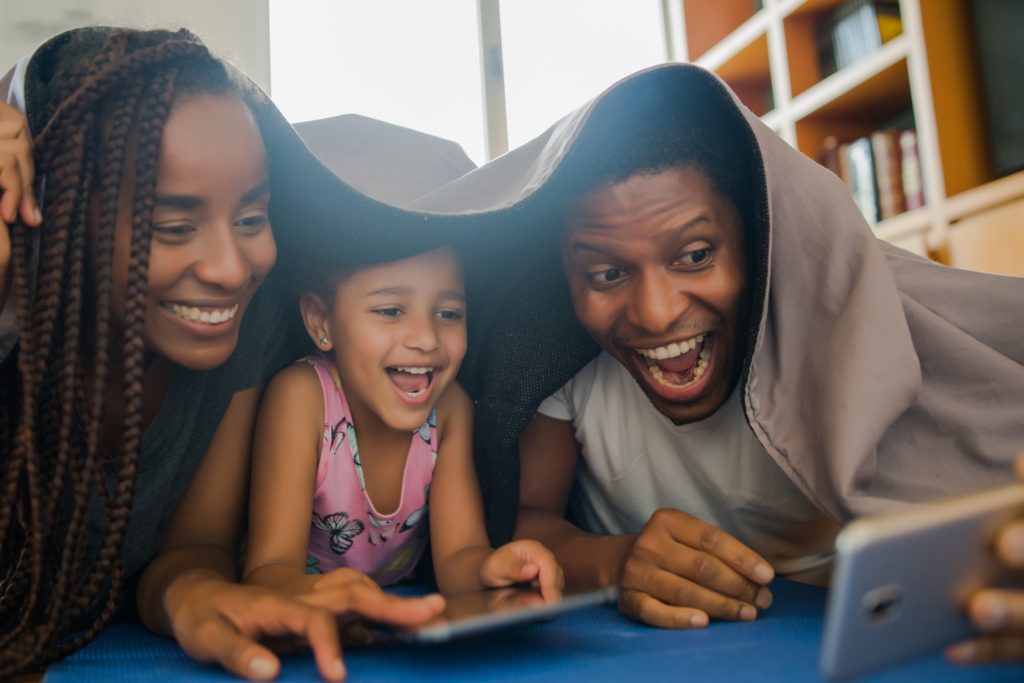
(672,350)
(208,316)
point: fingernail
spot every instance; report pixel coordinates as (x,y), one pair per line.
(434,600)
(748,613)
(763,573)
(962,652)
(38,214)
(699,620)
(991,613)
(763,598)
(261,667)
(338,670)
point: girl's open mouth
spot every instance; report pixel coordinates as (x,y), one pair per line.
(412,382)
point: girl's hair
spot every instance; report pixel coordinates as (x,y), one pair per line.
(98,104)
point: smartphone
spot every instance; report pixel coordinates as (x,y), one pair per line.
(901,581)
(488,610)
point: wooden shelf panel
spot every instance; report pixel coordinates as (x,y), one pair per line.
(862,88)
(709,25)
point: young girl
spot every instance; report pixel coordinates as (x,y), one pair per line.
(357,446)
(143,335)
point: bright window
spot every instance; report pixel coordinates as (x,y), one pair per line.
(417,64)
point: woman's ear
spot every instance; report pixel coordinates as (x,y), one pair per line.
(314,316)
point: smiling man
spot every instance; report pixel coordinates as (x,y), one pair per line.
(693,361)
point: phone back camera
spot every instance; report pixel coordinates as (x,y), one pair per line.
(883,604)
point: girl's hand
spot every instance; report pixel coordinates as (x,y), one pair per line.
(999,613)
(219,621)
(524,562)
(16,174)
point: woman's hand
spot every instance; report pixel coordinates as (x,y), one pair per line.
(219,621)
(999,613)
(524,562)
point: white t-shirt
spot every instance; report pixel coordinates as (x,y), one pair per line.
(635,461)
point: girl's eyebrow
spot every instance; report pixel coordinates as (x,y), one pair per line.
(402,291)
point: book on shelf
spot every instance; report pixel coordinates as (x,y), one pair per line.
(885,146)
(910,170)
(854,30)
(882,171)
(861,168)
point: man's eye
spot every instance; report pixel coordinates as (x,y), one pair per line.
(696,257)
(606,276)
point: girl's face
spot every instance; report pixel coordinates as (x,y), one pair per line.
(212,243)
(398,334)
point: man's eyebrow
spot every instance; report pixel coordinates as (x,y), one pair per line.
(580,245)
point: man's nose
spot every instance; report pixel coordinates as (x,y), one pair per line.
(656,304)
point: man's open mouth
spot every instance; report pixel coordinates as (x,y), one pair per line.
(680,363)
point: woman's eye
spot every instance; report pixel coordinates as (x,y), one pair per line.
(696,257)
(605,277)
(173,231)
(254,223)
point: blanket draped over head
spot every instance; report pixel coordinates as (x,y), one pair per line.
(872,377)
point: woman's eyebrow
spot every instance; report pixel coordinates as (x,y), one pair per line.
(190,201)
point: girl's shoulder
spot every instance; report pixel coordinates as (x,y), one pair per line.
(454,407)
(299,380)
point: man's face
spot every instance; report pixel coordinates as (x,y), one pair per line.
(658,277)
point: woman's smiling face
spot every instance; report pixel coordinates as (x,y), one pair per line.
(657,273)
(212,243)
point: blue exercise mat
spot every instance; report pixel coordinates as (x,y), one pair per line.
(595,644)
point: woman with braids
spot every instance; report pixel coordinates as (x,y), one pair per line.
(143,331)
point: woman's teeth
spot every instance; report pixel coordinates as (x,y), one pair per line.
(203,315)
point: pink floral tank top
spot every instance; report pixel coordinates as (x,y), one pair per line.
(347,530)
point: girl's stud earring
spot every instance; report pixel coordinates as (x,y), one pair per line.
(323,340)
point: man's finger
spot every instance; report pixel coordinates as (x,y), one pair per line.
(994,648)
(692,532)
(681,592)
(993,610)
(644,608)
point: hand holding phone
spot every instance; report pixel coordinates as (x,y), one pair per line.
(998,613)
(902,582)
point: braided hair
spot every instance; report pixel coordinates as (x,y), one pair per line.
(56,578)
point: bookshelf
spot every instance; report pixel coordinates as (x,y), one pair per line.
(924,75)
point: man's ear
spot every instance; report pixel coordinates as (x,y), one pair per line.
(314,316)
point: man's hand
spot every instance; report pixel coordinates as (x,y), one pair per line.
(998,613)
(218,621)
(681,571)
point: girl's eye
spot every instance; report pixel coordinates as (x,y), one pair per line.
(450,314)
(388,311)
(607,276)
(696,257)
